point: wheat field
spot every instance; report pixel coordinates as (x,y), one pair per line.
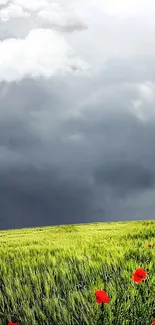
(48,275)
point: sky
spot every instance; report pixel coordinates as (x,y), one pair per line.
(77,111)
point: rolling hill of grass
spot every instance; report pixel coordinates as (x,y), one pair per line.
(48,275)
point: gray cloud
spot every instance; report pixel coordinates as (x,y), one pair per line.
(102,154)
(81,148)
(124,177)
(66,23)
(52,15)
(41,197)
(17,28)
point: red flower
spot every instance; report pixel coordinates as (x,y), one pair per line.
(150,245)
(139,275)
(10,323)
(102,296)
(153,323)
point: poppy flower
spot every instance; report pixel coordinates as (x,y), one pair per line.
(139,275)
(101,296)
(153,323)
(149,245)
(10,323)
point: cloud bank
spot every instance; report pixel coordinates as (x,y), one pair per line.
(77,119)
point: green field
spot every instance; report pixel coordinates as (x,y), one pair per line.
(48,275)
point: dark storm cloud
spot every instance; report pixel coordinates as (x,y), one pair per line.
(19,106)
(80,155)
(122,147)
(31,197)
(124,177)
(72,148)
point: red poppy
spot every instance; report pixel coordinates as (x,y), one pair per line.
(150,245)
(102,296)
(10,323)
(153,323)
(139,275)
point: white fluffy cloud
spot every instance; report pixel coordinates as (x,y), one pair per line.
(3,2)
(28,48)
(12,11)
(59,17)
(42,53)
(48,14)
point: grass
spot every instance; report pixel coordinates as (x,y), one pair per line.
(48,275)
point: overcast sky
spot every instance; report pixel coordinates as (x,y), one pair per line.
(77,111)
